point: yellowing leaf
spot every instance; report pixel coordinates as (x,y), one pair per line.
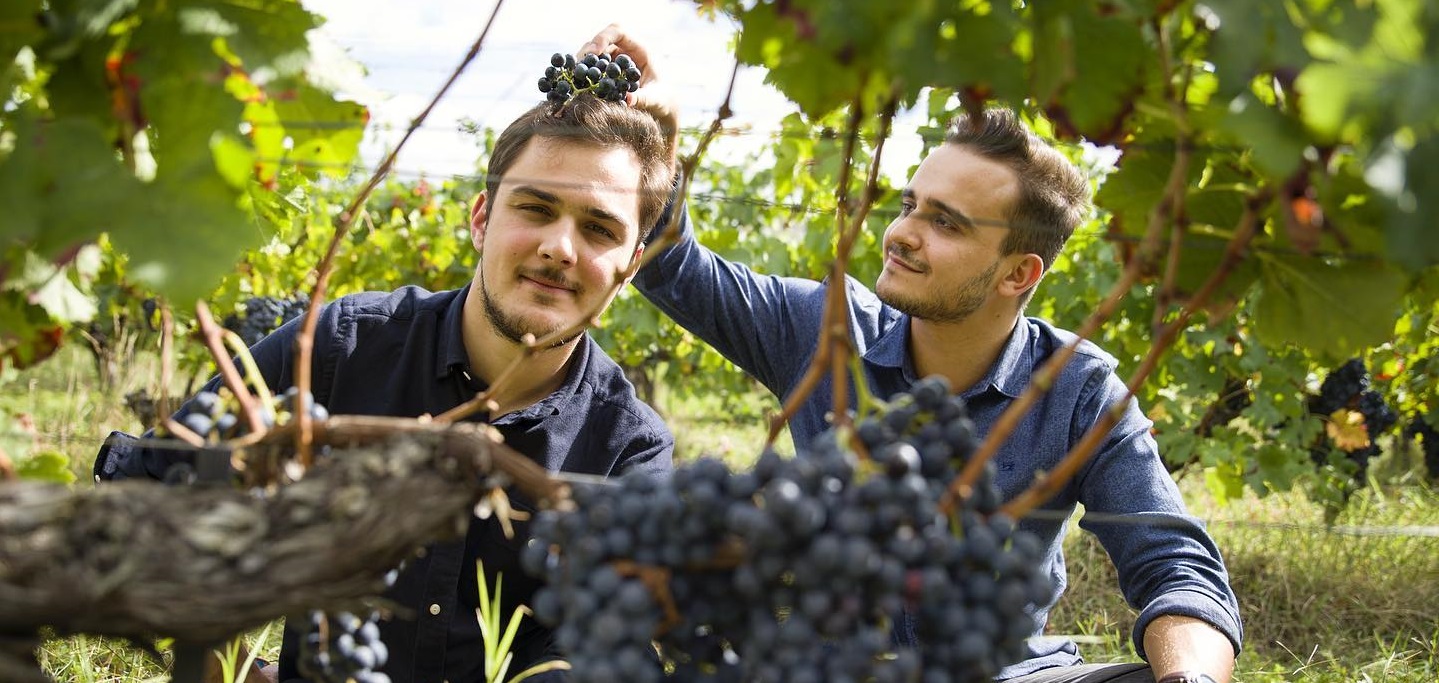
(1346,429)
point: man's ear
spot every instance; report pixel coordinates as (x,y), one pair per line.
(1023,274)
(479,218)
(634,268)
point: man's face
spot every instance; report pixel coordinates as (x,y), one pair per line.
(562,230)
(942,258)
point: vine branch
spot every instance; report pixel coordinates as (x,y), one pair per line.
(1053,481)
(305,340)
(1044,378)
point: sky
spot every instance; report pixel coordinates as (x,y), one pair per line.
(410,48)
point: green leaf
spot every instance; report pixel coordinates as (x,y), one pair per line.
(331,147)
(1095,64)
(1277,468)
(1253,37)
(49,465)
(1225,481)
(1413,239)
(1276,141)
(18,27)
(62,186)
(1334,310)
(191,236)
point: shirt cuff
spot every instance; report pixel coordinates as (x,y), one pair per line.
(1189,603)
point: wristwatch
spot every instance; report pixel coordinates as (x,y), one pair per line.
(1186,677)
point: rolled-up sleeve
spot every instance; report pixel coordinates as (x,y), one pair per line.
(1166,560)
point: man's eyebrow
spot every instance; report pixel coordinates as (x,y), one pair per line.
(954,214)
(537,193)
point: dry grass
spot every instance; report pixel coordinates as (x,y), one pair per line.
(1356,602)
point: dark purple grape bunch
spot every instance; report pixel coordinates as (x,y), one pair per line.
(344,647)
(606,79)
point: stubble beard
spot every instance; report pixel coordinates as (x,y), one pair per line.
(511,327)
(954,308)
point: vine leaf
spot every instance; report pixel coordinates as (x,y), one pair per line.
(1277,141)
(1411,228)
(1090,66)
(1333,309)
(61,185)
(1252,38)
(1347,430)
(18,28)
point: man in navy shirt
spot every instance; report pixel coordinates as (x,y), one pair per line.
(568,200)
(982,219)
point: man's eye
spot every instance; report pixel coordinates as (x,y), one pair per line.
(602,231)
(906,209)
(537,209)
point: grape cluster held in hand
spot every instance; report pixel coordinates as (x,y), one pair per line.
(606,79)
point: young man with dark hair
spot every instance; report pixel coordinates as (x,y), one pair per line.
(570,194)
(982,220)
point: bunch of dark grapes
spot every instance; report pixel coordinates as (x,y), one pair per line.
(567,77)
(810,568)
(343,648)
(1420,426)
(264,315)
(1340,387)
(215,417)
(1347,388)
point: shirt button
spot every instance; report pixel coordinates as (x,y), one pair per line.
(435,609)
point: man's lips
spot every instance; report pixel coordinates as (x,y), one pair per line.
(546,283)
(897,261)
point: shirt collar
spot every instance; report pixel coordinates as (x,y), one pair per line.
(452,356)
(1009,375)
(1011,372)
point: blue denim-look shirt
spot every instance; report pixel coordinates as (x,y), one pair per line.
(402,354)
(770,325)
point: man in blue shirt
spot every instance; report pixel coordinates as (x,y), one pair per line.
(983,218)
(568,201)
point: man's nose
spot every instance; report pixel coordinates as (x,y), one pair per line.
(558,245)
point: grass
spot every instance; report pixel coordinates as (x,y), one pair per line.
(1356,602)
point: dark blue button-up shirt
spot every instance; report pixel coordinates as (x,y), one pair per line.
(402,354)
(770,326)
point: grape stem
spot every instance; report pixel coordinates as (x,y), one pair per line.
(835,347)
(214,341)
(167,359)
(305,340)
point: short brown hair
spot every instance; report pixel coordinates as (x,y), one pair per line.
(1053,193)
(587,120)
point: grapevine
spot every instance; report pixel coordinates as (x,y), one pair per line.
(800,569)
(1345,399)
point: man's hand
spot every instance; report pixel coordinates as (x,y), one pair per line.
(1174,643)
(652,96)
